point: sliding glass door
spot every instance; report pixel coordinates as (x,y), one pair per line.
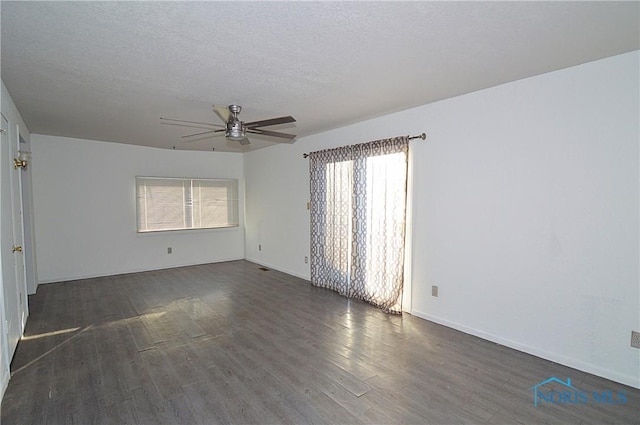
(358,210)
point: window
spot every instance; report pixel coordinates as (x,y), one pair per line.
(183,203)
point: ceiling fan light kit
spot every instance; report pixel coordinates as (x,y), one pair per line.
(234,128)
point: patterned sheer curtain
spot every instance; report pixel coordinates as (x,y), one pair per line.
(358,206)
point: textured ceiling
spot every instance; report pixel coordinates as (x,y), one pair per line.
(109,70)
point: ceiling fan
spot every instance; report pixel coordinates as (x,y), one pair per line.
(234,128)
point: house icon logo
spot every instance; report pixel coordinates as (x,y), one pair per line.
(537,389)
(557,391)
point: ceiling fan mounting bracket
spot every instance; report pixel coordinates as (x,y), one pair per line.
(235,109)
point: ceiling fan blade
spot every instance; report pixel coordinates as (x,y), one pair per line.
(189,122)
(271,133)
(245,141)
(223,112)
(201,133)
(272,121)
(203,138)
(186,125)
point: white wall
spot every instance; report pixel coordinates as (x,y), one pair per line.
(85,208)
(525,212)
(277,192)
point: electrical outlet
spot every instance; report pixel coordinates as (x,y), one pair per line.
(635,339)
(306,260)
(434,291)
(169,250)
(260,247)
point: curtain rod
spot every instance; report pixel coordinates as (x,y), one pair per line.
(422,136)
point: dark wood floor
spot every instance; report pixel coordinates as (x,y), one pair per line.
(230,343)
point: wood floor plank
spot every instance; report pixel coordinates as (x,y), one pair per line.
(199,400)
(332,411)
(229,343)
(149,407)
(141,336)
(354,405)
(162,370)
(187,324)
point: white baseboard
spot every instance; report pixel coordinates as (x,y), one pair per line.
(632,381)
(119,272)
(280,269)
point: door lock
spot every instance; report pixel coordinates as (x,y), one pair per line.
(17,248)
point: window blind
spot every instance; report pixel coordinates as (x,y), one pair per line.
(165,203)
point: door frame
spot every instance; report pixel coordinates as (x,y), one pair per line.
(4,337)
(31,280)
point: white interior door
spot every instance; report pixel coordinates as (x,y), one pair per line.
(10,239)
(18,230)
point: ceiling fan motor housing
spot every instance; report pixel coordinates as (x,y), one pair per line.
(236,130)
(235,127)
